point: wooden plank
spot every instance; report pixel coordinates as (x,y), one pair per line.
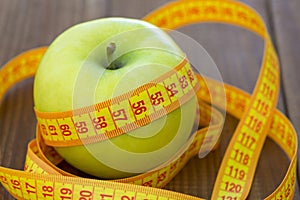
(24,25)
(286,21)
(133,8)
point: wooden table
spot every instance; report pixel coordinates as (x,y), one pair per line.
(32,23)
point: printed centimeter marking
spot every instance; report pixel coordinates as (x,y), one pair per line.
(34,187)
(246,146)
(281,131)
(123,113)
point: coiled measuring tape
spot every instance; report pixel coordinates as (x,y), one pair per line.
(258,116)
(122,113)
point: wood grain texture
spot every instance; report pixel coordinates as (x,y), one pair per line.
(31,23)
(286,20)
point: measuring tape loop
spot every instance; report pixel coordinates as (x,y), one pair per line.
(255,121)
(120,114)
(35,163)
(259,118)
(42,154)
(281,131)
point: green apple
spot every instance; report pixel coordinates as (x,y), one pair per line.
(97,60)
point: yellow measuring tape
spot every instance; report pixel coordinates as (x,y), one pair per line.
(120,114)
(258,115)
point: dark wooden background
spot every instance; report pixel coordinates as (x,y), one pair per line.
(27,24)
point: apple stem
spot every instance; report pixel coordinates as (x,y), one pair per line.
(110,49)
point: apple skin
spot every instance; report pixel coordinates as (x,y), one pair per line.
(73,74)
